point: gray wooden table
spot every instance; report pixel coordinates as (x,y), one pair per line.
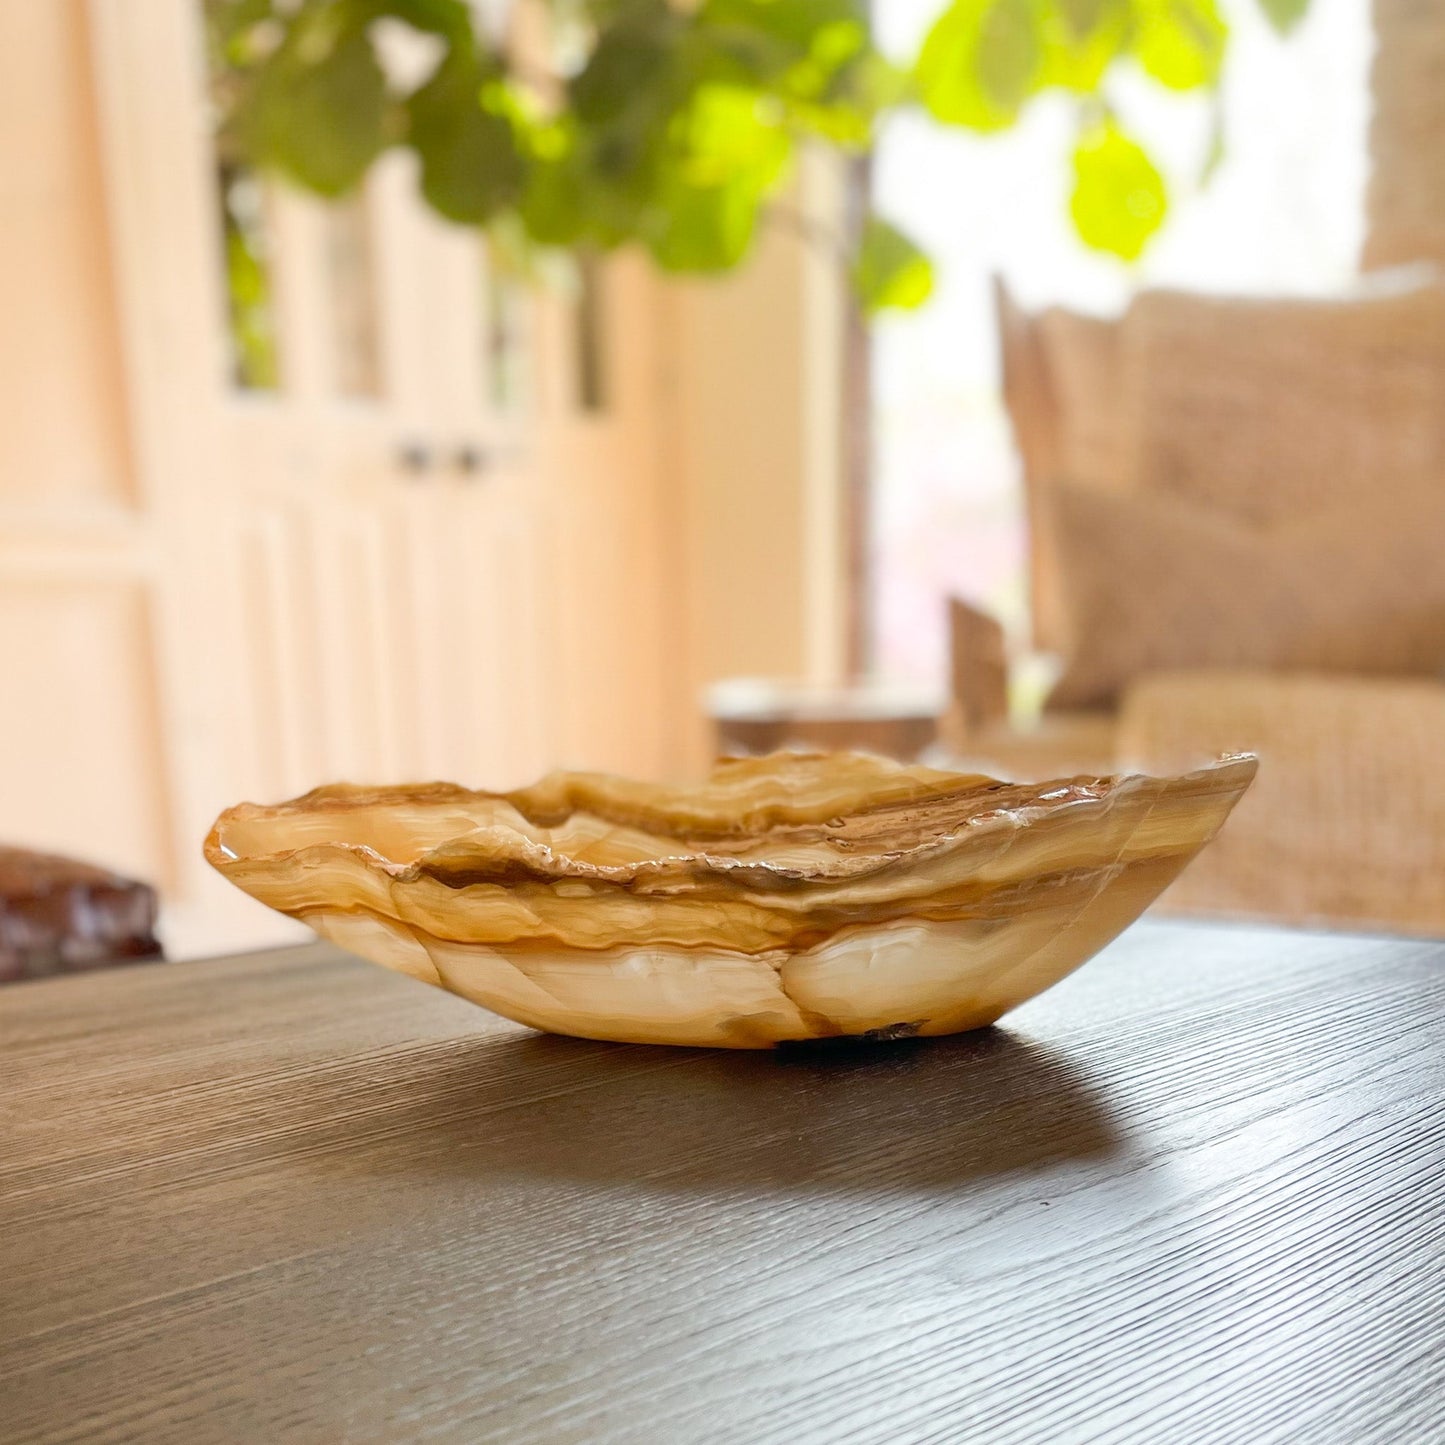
(1197,1192)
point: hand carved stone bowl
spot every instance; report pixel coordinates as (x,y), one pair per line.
(789,897)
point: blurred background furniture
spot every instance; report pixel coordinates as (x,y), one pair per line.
(1237,510)
(1407,182)
(759,716)
(58,915)
(1345,823)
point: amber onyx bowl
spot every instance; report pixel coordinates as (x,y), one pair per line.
(789,897)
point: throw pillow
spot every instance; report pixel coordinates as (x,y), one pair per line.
(1153,582)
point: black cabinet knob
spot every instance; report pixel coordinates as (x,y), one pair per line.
(471,461)
(414,457)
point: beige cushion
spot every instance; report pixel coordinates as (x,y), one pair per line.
(1155,583)
(1082,362)
(1062,388)
(1273,410)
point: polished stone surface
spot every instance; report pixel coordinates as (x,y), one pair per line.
(790,897)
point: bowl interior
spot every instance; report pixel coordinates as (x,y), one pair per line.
(404,831)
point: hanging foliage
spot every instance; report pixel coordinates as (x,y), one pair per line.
(673,126)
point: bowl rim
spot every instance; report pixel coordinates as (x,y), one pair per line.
(476,857)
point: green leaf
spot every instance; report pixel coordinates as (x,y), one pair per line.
(1082,16)
(827,67)
(229,27)
(450,18)
(841,105)
(794,23)
(459,124)
(1077,59)
(890,271)
(728,132)
(552,204)
(1119,199)
(1284,15)
(627,65)
(1009,53)
(321,119)
(570,199)
(981,60)
(604,13)
(847,126)
(1180,42)
(703,228)
(725,153)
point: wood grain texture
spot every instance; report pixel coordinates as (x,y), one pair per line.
(1193,1193)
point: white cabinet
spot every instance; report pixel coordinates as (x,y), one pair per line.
(414,526)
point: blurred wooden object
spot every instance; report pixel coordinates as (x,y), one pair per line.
(1406,207)
(1265,413)
(978,667)
(977,721)
(58,915)
(751,717)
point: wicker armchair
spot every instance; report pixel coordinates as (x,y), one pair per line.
(1346,823)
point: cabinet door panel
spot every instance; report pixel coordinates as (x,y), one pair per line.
(82,768)
(404,510)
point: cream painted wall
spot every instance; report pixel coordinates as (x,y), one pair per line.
(61,393)
(755,386)
(80,709)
